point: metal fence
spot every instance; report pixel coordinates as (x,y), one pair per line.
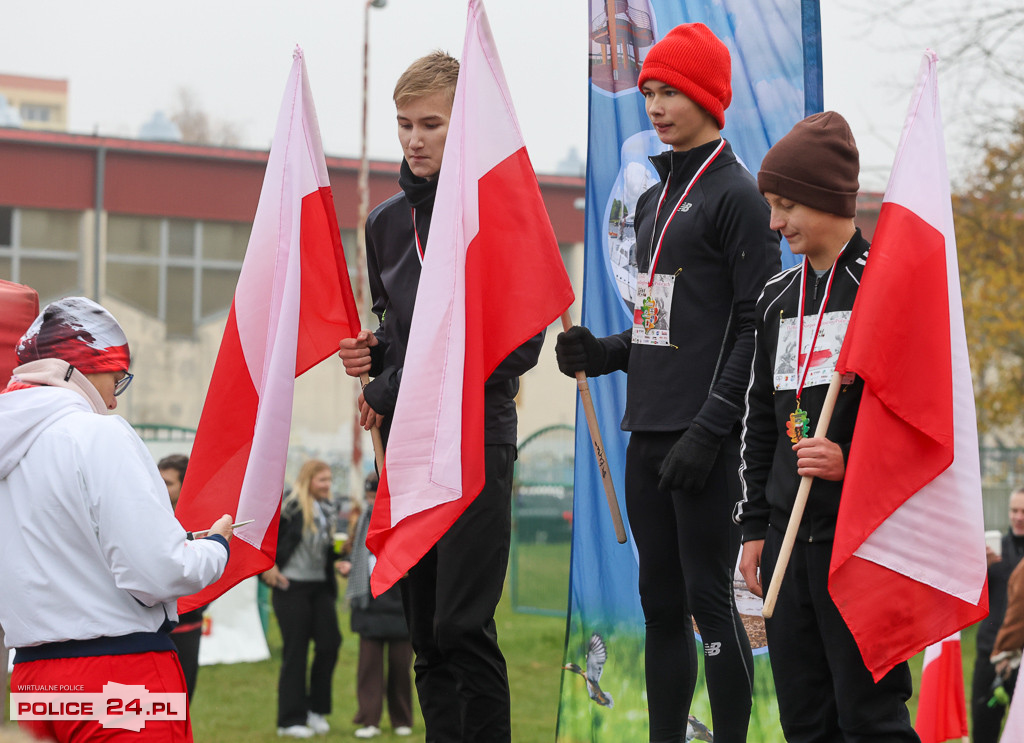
(1002,472)
(542,495)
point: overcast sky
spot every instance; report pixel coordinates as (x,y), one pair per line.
(126,59)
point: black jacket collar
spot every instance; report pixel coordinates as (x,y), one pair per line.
(418,191)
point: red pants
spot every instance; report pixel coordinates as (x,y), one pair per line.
(159,672)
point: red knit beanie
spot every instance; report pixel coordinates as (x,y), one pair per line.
(816,164)
(695,62)
(80,332)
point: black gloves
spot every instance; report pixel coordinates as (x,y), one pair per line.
(578,350)
(688,463)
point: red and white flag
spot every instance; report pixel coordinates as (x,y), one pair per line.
(293,303)
(492,278)
(908,562)
(941,707)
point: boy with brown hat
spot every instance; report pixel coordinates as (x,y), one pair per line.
(704,252)
(824,690)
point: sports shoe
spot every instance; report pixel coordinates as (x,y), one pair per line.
(403,730)
(370,731)
(318,723)
(295,731)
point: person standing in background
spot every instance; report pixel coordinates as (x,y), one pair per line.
(380,624)
(189,632)
(304,597)
(987,719)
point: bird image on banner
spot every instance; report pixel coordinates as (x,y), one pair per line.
(697,730)
(597,654)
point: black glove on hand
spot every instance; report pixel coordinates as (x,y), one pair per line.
(578,350)
(688,463)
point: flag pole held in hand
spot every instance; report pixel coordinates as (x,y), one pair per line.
(595,438)
(378,442)
(801,502)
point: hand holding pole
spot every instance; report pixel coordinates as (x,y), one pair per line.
(801,502)
(595,438)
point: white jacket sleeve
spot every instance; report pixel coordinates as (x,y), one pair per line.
(141,540)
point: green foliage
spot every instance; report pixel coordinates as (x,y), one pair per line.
(989,219)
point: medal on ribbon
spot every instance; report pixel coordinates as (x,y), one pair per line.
(799,426)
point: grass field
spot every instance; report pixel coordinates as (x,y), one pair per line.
(238,702)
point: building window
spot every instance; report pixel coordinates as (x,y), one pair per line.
(36,112)
(42,249)
(180,271)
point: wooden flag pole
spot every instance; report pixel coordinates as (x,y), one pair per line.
(595,438)
(378,442)
(801,502)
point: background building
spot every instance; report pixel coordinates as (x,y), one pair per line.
(157,231)
(39,102)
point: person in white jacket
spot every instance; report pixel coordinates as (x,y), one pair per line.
(92,560)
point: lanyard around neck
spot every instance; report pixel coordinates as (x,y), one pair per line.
(802,375)
(416,232)
(661,202)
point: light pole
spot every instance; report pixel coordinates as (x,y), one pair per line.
(363,187)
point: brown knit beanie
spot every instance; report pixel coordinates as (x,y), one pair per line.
(695,62)
(816,164)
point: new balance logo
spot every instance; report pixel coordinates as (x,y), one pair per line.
(712,648)
(684,207)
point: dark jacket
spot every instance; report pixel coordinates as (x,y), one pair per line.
(393,268)
(383,618)
(768,470)
(998,582)
(723,252)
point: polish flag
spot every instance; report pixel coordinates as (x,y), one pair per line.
(293,303)
(492,278)
(941,708)
(908,562)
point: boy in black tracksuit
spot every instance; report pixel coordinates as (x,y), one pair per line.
(449,596)
(824,690)
(704,251)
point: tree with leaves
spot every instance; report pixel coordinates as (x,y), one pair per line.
(989,219)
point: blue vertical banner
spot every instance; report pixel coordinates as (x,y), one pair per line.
(776,81)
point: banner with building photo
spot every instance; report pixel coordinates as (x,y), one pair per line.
(776,58)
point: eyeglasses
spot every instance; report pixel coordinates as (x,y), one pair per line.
(122,384)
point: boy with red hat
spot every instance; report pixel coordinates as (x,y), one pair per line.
(704,251)
(824,690)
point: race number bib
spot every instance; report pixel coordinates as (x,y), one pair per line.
(652,310)
(825,354)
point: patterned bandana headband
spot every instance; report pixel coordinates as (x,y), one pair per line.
(80,332)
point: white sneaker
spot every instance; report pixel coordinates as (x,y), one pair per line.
(370,731)
(403,730)
(295,731)
(318,723)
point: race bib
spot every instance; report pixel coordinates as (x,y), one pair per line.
(825,354)
(652,310)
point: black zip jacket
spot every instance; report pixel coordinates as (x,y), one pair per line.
(723,252)
(393,268)
(768,469)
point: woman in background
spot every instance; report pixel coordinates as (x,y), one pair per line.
(303,598)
